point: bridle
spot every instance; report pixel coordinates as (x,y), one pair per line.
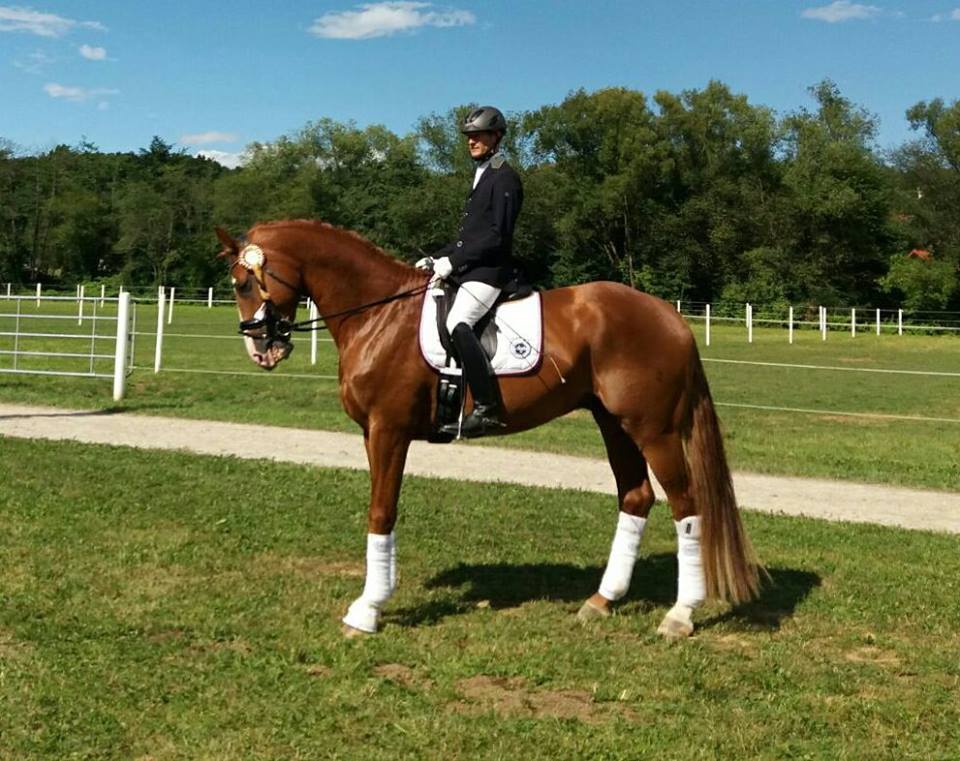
(269,325)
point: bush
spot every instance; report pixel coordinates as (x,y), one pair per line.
(922,285)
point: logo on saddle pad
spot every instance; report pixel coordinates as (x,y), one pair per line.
(520,348)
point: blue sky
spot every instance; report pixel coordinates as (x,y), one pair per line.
(217,76)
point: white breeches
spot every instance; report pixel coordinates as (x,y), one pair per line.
(691,586)
(364,612)
(623,556)
(472,302)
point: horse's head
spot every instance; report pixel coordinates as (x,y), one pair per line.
(266,288)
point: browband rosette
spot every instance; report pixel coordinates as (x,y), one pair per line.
(252,258)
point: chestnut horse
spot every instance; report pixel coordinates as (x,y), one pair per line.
(626,356)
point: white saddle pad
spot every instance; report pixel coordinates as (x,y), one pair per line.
(513,339)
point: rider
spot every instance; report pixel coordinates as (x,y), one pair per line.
(481,261)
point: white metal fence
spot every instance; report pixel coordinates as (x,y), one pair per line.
(80,351)
(94,347)
(828,319)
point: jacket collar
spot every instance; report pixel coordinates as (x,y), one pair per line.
(491,164)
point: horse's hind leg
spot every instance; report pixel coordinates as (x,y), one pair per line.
(635,498)
(667,460)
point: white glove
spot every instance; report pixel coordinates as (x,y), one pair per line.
(442,268)
(425,264)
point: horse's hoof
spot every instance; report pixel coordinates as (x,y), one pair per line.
(350,633)
(362,618)
(674,629)
(591,612)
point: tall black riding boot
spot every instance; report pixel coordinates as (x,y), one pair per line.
(485,416)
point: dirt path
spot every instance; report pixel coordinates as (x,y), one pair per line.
(820,498)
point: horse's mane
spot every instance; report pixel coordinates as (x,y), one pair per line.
(317,227)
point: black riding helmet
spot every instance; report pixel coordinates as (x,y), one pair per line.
(484,119)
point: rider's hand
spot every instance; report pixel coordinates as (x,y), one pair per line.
(442,268)
(426,263)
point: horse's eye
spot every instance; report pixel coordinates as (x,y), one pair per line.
(244,287)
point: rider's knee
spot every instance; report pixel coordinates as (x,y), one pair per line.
(454,321)
(459,327)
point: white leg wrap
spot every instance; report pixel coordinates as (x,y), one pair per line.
(364,612)
(691,587)
(623,555)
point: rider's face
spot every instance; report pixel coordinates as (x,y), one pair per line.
(481,143)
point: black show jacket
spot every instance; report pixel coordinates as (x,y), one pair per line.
(483,250)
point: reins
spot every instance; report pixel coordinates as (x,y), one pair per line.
(308,325)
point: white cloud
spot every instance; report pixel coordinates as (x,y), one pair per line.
(205,138)
(387,18)
(92,53)
(842,10)
(16,19)
(229,160)
(76,94)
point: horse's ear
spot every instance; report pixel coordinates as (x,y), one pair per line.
(230,247)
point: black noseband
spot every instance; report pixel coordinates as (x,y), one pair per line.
(268,327)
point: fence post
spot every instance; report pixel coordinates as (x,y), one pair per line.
(678,305)
(708,324)
(312,314)
(749,324)
(103,293)
(38,295)
(16,333)
(158,349)
(878,322)
(120,358)
(80,304)
(790,327)
(210,297)
(853,322)
(899,322)
(173,290)
(823,323)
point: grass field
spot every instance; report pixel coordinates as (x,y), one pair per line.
(924,453)
(166,606)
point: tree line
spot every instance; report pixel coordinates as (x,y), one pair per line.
(700,196)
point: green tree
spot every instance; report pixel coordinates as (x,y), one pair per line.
(835,220)
(607,156)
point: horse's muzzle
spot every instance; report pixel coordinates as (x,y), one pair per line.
(267,337)
(267,354)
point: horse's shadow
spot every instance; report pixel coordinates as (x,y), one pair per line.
(505,585)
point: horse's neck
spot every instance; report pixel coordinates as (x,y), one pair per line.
(344,273)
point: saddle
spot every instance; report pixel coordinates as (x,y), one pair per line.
(511,335)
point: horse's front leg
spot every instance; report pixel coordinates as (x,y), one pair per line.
(387,454)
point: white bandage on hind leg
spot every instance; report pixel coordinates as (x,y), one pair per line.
(691,586)
(364,612)
(623,556)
